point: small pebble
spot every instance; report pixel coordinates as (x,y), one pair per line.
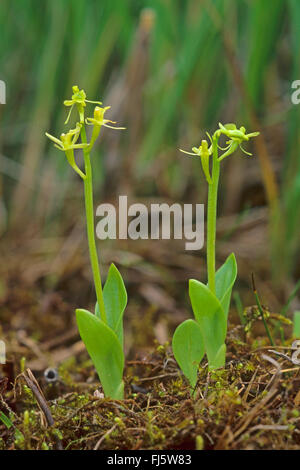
(98,394)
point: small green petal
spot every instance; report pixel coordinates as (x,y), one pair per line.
(93,102)
(69,113)
(113,127)
(244,151)
(231,127)
(80,146)
(209,136)
(90,121)
(54,139)
(187,153)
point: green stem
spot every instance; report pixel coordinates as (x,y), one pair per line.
(211,219)
(89,210)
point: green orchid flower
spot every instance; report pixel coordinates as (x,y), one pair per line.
(236,138)
(98,121)
(67,144)
(204,153)
(78,99)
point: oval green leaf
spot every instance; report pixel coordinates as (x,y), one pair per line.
(188,349)
(115,301)
(209,314)
(225,279)
(105,351)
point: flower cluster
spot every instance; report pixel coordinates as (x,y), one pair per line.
(236,138)
(68,141)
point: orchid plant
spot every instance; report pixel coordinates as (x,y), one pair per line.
(211,301)
(101,331)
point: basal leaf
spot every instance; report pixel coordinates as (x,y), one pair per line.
(225,278)
(105,351)
(219,359)
(210,315)
(115,301)
(188,349)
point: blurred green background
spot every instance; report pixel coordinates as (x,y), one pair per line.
(170,69)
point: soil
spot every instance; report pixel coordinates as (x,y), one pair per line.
(254,403)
